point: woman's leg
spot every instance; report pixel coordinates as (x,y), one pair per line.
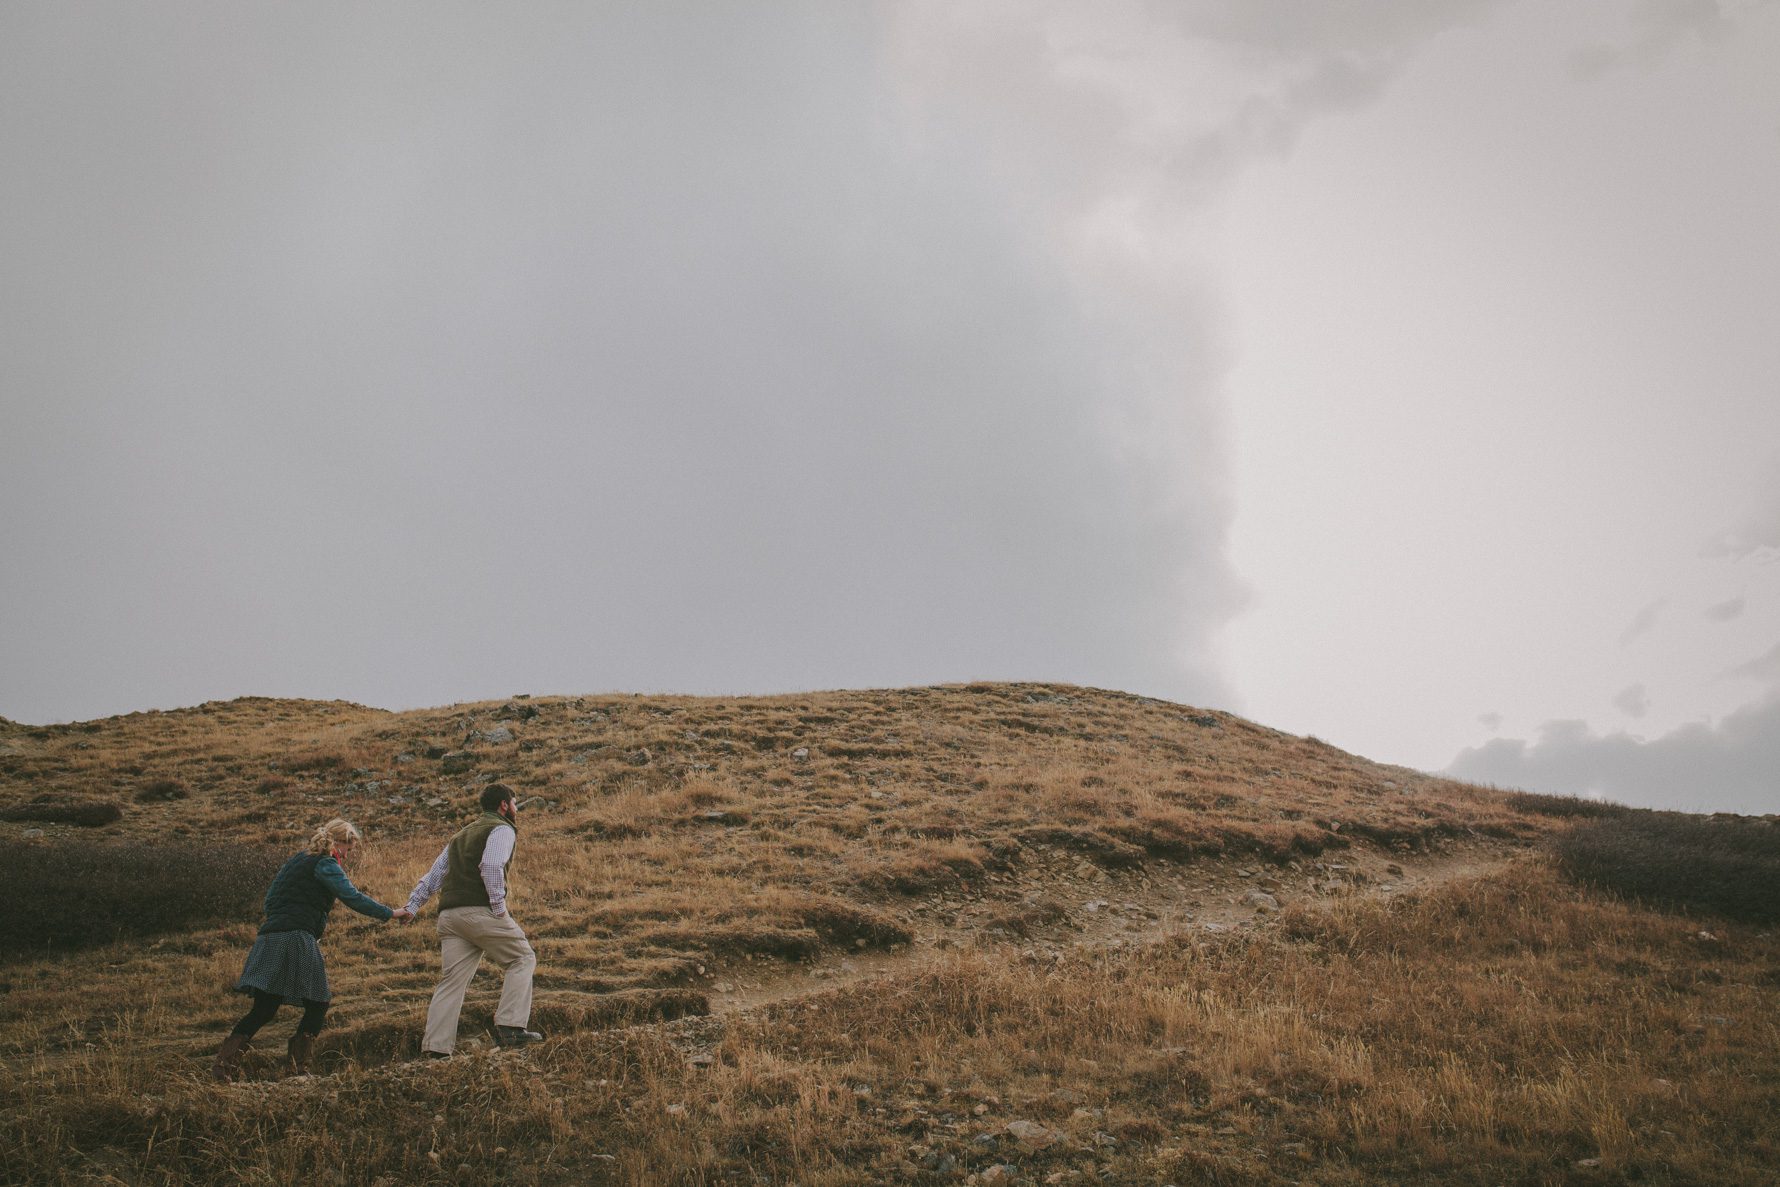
(302,1044)
(228,1059)
(315,1016)
(264,1006)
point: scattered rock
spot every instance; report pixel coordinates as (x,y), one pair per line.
(512,712)
(702,1059)
(497,736)
(639,758)
(1030,1134)
(1394,870)
(456,762)
(801,754)
(1260,900)
(31,834)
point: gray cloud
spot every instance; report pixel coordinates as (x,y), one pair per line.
(425,352)
(1725,611)
(1731,766)
(1490,721)
(1642,621)
(1759,531)
(1654,28)
(1634,701)
(1764,667)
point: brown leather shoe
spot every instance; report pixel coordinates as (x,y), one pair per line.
(228,1060)
(301,1047)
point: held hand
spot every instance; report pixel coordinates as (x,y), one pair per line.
(402,915)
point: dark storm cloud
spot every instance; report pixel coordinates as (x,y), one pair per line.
(1733,766)
(416,353)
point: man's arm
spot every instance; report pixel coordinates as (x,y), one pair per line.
(493,866)
(429,885)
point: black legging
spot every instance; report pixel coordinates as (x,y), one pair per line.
(266,1004)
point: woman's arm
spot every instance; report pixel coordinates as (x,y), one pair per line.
(329,873)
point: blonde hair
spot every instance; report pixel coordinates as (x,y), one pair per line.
(334,832)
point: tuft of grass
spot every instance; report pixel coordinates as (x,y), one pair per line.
(157,791)
(1724,865)
(83,893)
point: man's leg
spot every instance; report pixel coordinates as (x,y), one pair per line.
(460,955)
(504,942)
(515,956)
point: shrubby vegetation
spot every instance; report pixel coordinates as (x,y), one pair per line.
(52,810)
(1725,865)
(1563,805)
(81,893)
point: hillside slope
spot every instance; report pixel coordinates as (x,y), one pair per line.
(856,936)
(668,832)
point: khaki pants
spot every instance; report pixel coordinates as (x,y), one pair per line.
(466,935)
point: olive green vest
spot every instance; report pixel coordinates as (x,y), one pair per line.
(463,876)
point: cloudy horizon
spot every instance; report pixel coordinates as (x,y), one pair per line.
(1402,375)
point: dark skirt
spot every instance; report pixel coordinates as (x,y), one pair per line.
(288,964)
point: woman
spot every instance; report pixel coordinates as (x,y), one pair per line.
(285,964)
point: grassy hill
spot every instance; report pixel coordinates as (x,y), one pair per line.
(1026,933)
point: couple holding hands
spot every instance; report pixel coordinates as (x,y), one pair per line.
(470,878)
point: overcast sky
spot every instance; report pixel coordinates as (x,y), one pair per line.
(1405,374)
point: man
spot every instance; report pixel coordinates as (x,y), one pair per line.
(470,877)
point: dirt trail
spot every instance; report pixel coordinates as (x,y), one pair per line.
(1060,903)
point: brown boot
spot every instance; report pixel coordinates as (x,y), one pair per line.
(301,1047)
(228,1060)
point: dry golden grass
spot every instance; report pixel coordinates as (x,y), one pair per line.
(685,850)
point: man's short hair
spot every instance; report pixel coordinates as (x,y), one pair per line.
(494,795)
